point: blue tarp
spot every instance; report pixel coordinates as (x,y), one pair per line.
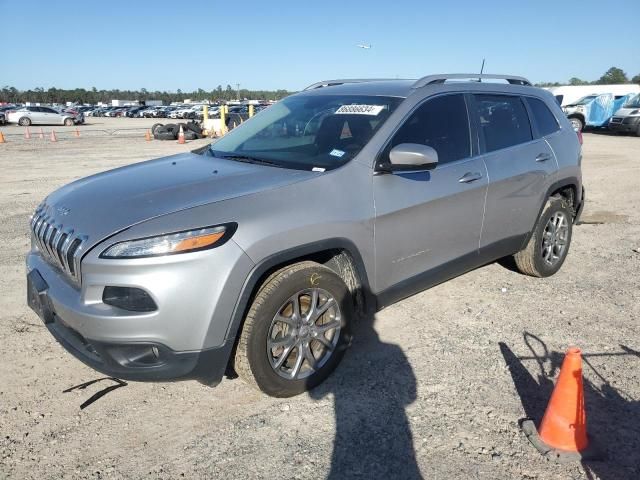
(601,109)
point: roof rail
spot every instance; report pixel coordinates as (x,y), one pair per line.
(441,78)
(331,83)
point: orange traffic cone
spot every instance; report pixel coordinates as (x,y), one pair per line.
(27,133)
(2,138)
(147,136)
(77,132)
(563,430)
(181,135)
(41,134)
(53,136)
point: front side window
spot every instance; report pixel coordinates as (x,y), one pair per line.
(503,121)
(545,120)
(441,123)
(308,131)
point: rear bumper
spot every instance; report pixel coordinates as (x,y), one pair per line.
(150,362)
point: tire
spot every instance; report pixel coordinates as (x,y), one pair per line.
(190,135)
(638,131)
(154,127)
(576,123)
(258,365)
(24,122)
(162,134)
(539,259)
(68,122)
(194,127)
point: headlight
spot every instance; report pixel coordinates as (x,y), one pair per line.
(172,243)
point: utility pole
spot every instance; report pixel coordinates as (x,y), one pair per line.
(238,85)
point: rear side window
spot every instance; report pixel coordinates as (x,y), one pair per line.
(503,120)
(441,123)
(545,120)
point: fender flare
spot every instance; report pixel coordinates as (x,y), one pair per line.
(565,182)
(288,256)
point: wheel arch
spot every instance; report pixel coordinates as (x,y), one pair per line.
(566,188)
(339,254)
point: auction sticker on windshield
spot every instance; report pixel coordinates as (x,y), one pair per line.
(360,109)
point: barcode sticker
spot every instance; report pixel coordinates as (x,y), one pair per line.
(360,110)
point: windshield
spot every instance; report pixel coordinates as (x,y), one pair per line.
(633,103)
(306,132)
(585,100)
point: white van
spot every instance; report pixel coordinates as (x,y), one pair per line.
(569,94)
(627,119)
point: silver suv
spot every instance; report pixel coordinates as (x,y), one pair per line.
(255,254)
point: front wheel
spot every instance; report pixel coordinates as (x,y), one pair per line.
(68,122)
(296,331)
(24,121)
(549,244)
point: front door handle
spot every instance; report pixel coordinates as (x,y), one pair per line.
(543,157)
(470,177)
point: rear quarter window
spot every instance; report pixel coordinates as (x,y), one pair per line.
(545,120)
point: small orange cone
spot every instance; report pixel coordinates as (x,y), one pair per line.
(53,136)
(181,135)
(41,134)
(147,136)
(2,138)
(563,430)
(77,132)
(27,133)
(564,425)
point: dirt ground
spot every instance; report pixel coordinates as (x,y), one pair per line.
(433,387)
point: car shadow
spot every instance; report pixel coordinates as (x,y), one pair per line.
(613,417)
(371,389)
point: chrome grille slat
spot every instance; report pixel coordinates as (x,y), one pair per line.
(62,247)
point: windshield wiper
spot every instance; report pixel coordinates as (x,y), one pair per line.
(249,159)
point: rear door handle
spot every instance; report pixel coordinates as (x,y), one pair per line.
(470,177)
(543,157)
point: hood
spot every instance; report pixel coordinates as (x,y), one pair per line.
(623,112)
(106,203)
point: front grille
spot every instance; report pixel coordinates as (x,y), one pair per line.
(59,245)
(616,119)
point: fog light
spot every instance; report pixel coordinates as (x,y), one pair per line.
(129,298)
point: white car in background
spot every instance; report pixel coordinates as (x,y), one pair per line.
(26,116)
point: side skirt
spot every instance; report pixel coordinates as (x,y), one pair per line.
(449,270)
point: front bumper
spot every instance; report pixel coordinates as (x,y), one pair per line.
(143,362)
(184,338)
(628,125)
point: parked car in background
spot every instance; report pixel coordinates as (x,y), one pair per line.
(26,116)
(3,119)
(627,119)
(162,271)
(594,110)
(570,94)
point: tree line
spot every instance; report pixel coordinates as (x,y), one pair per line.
(93,96)
(612,76)
(9,94)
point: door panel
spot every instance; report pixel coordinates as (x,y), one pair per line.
(519,178)
(518,166)
(426,219)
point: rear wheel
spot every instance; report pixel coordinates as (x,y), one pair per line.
(24,121)
(638,131)
(296,331)
(577,123)
(548,246)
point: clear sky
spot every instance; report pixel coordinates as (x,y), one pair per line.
(183,44)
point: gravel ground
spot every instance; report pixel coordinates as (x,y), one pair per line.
(433,387)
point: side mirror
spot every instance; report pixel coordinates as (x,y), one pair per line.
(413,156)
